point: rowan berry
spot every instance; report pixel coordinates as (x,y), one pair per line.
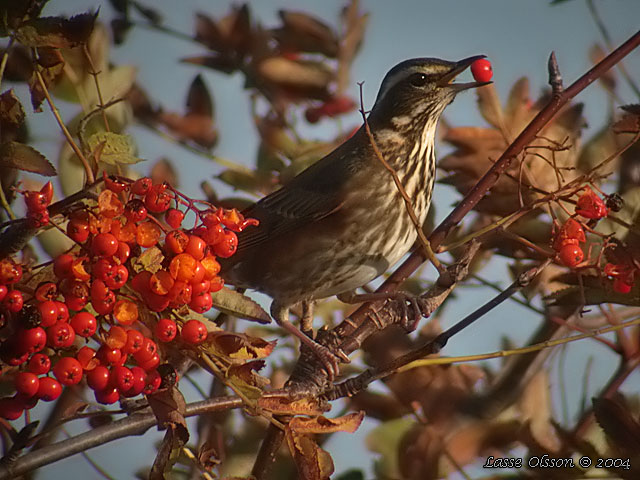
(141,186)
(84,324)
(201,303)
(135,341)
(227,246)
(176,241)
(49,389)
(620,285)
(107,396)
(68,371)
(152,382)
(157,200)
(590,205)
(166,330)
(114,184)
(135,211)
(35,201)
(571,255)
(26,383)
(10,271)
(139,380)
(125,312)
(39,363)
(48,312)
(482,70)
(98,378)
(121,378)
(10,408)
(87,358)
(31,340)
(46,291)
(174,217)
(148,234)
(193,332)
(104,245)
(13,301)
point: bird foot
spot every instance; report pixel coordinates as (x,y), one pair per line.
(330,361)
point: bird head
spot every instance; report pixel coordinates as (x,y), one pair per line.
(419,88)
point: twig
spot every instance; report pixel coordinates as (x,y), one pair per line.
(94,74)
(135,424)
(360,382)
(65,131)
(407,201)
(5,58)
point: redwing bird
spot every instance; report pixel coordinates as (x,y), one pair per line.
(342,222)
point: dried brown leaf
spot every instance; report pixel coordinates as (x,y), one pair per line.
(11,111)
(347,423)
(489,106)
(163,171)
(302,77)
(58,32)
(24,157)
(621,428)
(285,405)
(301,32)
(312,462)
(535,407)
(237,346)
(50,75)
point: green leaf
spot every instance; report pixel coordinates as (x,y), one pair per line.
(239,305)
(247,181)
(23,157)
(385,440)
(113,148)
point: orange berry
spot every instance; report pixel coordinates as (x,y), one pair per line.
(148,234)
(125,312)
(183,267)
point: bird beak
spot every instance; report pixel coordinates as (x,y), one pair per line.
(457,69)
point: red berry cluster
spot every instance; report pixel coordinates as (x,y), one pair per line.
(331,108)
(108,302)
(567,240)
(567,243)
(590,205)
(623,275)
(37,203)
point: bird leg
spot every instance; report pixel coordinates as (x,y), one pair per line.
(306,320)
(403,300)
(330,361)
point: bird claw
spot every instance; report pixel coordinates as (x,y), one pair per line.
(330,361)
(405,302)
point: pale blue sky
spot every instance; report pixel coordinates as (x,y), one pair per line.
(516,35)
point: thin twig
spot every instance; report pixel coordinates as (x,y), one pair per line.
(95,74)
(65,131)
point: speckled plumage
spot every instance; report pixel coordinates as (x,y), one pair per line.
(342,222)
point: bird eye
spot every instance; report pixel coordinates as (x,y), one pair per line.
(418,79)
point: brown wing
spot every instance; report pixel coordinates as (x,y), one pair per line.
(315,193)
